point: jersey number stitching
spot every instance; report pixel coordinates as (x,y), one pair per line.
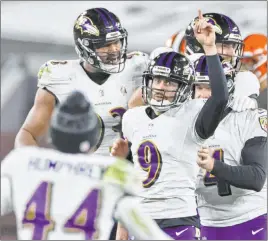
(37,213)
(224,188)
(118,111)
(150,160)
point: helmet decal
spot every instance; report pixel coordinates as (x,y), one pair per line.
(95,30)
(86,26)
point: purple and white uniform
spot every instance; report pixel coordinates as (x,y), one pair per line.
(241,215)
(58,196)
(164,155)
(110,99)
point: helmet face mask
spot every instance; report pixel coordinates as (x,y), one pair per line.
(99,42)
(229,41)
(167,85)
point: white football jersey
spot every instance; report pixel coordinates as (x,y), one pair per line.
(246,84)
(228,141)
(110,99)
(164,153)
(61,196)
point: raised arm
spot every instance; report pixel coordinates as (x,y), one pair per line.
(211,113)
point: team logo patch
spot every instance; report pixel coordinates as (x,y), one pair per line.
(85,25)
(43,69)
(263,122)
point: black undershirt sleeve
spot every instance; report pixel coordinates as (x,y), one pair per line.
(253,171)
(129,156)
(211,113)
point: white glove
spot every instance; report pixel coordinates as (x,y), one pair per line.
(242,103)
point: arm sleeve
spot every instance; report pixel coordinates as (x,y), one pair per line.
(211,113)
(252,174)
(6,196)
(129,156)
(137,223)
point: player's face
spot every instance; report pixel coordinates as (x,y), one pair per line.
(110,52)
(163,89)
(202,91)
(226,50)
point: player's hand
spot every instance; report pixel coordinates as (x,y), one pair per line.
(205,160)
(242,103)
(121,232)
(120,148)
(205,34)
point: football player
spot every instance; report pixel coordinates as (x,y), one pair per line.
(104,72)
(255,60)
(164,135)
(231,190)
(238,100)
(67,193)
(177,42)
(229,45)
(255,57)
(136,99)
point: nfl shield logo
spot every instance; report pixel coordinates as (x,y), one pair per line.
(263,122)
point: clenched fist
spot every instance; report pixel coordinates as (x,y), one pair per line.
(205,160)
(120,148)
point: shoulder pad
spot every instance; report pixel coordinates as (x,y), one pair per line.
(139,61)
(246,84)
(46,68)
(53,72)
(136,53)
(133,112)
(196,103)
(11,159)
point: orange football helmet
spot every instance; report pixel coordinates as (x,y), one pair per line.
(177,42)
(255,57)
